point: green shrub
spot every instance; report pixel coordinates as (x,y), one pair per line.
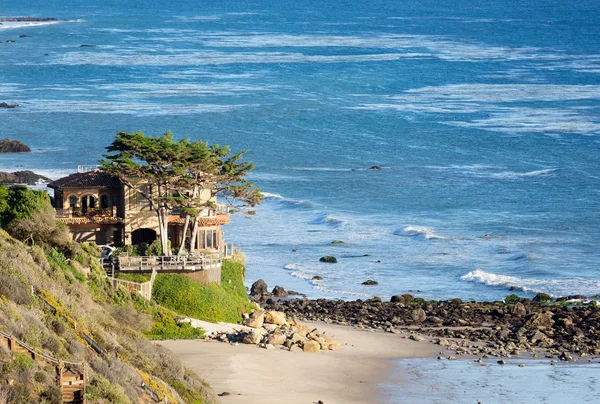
(100,388)
(57,258)
(542,298)
(165,327)
(211,303)
(512,299)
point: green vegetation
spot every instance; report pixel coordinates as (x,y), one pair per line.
(178,171)
(329,259)
(542,298)
(74,297)
(211,303)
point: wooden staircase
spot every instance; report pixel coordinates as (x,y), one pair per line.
(72,385)
(70,375)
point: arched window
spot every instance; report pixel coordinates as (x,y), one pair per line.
(72,201)
(104,201)
(88,202)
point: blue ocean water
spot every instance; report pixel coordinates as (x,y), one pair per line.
(484,117)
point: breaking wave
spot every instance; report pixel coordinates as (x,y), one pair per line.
(328,220)
(425,233)
(553,287)
(286,202)
(536,173)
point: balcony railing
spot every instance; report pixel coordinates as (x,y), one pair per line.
(89,212)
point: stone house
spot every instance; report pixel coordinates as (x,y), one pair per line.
(98,207)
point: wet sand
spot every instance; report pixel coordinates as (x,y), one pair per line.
(357,373)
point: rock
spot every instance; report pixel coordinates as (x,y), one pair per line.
(521,365)
(518,310)
(269,346)
(12,146)
(441,358)
(418,315)
(334,346)
(295,348)
(328,259)
(259,288)
(297,337)
(11,41)
(278,291)
(87,46)
(311,346)
(417,338)
(375,299)
(374,168)
(256,319)
(443,342)
(24,36)
(225,393)
(337,242)
(276,339)
(275,317)
(22,177)
(270,327)
(501,362)
(317,278)
(254,337)
(539,321)
(370,282)
(405,299)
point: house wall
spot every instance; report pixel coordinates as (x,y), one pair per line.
(137,213)
(205,276)
(62,196)
(99,234)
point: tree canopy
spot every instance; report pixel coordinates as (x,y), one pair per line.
(183,175)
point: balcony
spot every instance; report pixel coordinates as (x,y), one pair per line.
(78,215)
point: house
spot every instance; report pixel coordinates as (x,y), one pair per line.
(97,207)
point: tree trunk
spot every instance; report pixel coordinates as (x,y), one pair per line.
(163,224)
(193,241)
(184,234)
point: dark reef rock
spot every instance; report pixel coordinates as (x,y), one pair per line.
(13,146)
(8,106)
(87,46)
(328,259)
(370,282)
(374,168)
(22,177)
(27,19)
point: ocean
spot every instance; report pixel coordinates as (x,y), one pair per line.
(483,117)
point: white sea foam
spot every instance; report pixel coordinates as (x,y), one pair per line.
(535,173)
(554,287)
(426,233)
(24,24)
(128,108)
(328,220)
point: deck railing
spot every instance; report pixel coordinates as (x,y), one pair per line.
(90,212)
(170,263)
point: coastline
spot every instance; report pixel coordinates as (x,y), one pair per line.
(354,374)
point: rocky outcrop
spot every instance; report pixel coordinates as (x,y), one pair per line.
(490,328)
(13,146)
(5,105)
(259,292)
(278,331)
(22,177)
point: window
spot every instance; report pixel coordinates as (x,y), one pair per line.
(72,201)
(104,201)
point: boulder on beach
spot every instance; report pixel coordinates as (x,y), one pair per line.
(259,288)
(329,259)
(256,319)
(278,291)
(275,317)
(22,177)
(13,146)
(404,299)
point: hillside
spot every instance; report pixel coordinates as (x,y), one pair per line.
(55,300)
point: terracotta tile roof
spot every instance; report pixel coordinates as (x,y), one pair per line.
(90,179)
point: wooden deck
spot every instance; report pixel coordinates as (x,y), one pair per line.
(167,264)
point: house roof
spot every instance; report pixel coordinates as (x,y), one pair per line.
(90,179)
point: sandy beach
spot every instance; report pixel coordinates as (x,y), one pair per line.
(256,375)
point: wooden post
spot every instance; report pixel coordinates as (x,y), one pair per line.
(13,344)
